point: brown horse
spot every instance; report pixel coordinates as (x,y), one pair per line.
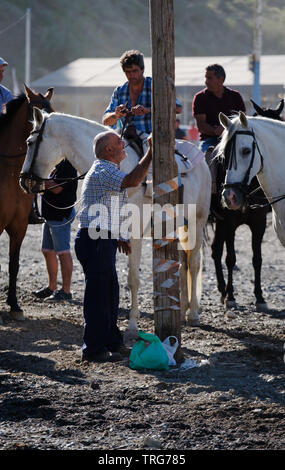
(15,205)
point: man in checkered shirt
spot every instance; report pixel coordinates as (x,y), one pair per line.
(134,95)
(97,241)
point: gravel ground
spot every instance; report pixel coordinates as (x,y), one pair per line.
(227,395)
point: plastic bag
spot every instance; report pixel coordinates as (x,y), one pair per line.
(170,350)
(148,356)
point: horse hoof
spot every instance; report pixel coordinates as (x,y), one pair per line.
(222,299)
(262,307)
(231,304)
(17,315)
(193,320)
(231,315)
(130,336)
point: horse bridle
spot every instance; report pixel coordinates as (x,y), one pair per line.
(230,160)
(31,178)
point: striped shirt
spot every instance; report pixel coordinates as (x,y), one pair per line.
(103,200)
(121,96)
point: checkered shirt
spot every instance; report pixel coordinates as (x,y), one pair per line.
(121,96)
(102,186)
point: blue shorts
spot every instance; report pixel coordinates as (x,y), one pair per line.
(56,234)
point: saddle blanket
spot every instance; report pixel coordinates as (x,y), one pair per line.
(187,156)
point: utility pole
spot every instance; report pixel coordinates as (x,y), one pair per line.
(165,181)
(28,47)
(257,48)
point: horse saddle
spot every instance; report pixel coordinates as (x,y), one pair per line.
(134,140)
(187,156)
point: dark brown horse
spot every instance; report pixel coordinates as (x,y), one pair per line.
(15,205)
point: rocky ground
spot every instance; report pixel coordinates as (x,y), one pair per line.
(231,399)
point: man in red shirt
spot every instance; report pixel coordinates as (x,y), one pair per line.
(209,102)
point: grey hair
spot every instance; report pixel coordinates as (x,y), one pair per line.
(100,143)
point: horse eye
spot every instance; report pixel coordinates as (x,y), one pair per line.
(246,151)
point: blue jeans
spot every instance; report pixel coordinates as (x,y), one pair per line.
(101,296)
(205,144)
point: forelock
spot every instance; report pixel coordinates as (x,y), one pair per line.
(227,135)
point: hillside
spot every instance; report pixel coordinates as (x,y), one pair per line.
(64,30)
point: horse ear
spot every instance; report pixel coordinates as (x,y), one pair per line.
(257,108)
(224,120)
(49,93)
(29,93)
(280,107)
(242,118)
(38,117)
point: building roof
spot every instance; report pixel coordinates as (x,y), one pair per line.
(189,72)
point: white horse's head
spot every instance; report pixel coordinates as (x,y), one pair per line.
(242,158)
(43,154)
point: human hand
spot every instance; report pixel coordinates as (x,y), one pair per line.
(124,247)
(121,111)
(139,110)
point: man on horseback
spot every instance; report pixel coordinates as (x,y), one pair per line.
(206,106)
(5,94)
(132,100)
(5,97)
(129,110)
(209,102)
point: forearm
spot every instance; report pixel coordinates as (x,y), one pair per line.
(110,119)
(52,186)
(207,129)
(139,172)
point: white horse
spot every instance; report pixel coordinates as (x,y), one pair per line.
(61,136)
(254,146)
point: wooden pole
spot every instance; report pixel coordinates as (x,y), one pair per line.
(165,253)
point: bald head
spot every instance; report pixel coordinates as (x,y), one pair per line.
(109,146)
(100,143)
